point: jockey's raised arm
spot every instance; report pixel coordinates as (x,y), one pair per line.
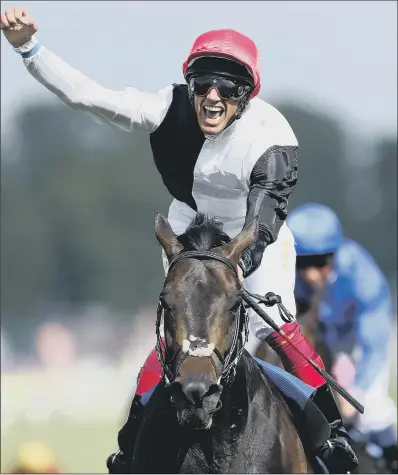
(128,109)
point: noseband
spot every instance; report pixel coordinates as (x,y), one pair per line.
(240,338)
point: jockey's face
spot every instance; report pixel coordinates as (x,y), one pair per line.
(315,269)
(213,112)
(315,276)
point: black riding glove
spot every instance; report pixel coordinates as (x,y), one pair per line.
(116,463)
(337,453)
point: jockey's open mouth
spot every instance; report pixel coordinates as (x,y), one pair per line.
(213,112)
(212,115)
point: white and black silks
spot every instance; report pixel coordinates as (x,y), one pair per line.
(272,179)
(250,168)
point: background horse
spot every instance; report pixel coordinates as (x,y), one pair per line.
(215,411)
(313,330)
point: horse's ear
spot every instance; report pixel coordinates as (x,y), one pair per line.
(233,250)
(166,237)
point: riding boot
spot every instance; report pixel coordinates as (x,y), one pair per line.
(120,462)
(336,453)
(292,361)
(149,376)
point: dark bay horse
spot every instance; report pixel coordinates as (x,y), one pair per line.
(215,411)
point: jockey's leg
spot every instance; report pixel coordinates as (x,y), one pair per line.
(148,377)
(277,274)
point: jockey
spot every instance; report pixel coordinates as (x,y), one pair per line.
(220,150)
(355,310)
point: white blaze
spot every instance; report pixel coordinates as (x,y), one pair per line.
(204,349)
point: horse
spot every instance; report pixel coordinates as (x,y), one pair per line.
(215,410)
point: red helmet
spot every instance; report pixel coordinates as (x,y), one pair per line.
(228,44)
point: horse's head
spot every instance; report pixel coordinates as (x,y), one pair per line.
(203,314)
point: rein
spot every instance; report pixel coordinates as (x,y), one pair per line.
(241,331)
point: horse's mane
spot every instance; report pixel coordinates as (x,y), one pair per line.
(203,234)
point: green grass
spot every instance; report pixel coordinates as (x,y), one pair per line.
(78,448)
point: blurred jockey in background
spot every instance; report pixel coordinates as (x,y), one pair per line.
(355,312)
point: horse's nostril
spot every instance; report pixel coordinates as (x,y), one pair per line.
(195,392)
(177,396)
(192,390)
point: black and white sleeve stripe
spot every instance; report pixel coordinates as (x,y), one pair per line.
(272,180)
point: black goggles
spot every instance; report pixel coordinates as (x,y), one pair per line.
(319,261)
(227,89)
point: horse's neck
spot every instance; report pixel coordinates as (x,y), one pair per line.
(249,383)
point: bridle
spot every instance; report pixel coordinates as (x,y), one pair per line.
(241,332)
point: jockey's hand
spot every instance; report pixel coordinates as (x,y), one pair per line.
(17,25)
(338,456)
(240,274)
